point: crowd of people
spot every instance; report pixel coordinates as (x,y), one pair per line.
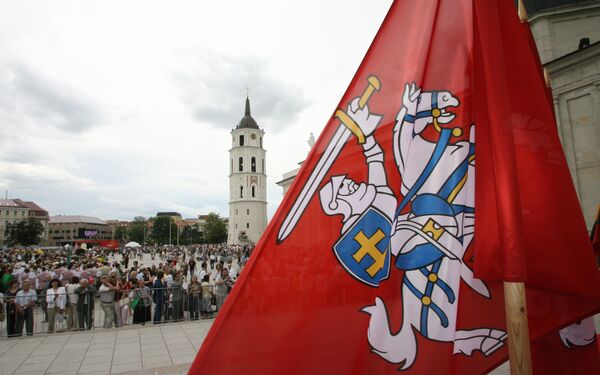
(156,284)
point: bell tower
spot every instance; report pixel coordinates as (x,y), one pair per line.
(247,182)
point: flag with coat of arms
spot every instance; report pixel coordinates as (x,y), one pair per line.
(439,177)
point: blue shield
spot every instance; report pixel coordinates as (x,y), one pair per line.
(364,249)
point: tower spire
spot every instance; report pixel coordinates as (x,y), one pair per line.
(247,113)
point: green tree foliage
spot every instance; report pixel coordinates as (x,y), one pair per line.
(120,233)
(160,230)
(25,232)
(190,235)
(137,229)
(215,230)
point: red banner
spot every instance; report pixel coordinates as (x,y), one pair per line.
(439,176)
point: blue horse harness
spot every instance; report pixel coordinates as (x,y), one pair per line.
(427,254)
(424,114)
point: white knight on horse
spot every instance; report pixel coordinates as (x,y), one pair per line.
(427,232)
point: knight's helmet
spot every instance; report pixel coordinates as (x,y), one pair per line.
(335,202)
(329,198)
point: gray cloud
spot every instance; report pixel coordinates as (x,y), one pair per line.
(29,96)
(213,88)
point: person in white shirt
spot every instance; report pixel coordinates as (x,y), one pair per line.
(56,298)
(233,271)
(24,303)
(203,272)
(71,308)
(107,301)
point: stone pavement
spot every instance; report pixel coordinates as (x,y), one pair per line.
(165,349)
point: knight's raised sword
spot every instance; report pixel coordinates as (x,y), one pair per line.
(347,126)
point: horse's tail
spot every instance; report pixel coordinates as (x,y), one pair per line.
(399,348)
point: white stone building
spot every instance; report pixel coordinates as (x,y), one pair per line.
(567,36)
(247,182)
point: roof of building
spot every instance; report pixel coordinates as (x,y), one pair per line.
(589,48)
(536,6)
(66,219)
(247,122)
(11,203)
(32,206)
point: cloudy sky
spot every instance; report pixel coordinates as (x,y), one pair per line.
(123,108)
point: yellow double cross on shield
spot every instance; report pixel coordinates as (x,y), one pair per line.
(368,246)
(363,249)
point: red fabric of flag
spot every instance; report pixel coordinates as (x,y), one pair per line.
(367,266)
(595,235)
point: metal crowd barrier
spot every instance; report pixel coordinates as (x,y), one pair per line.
(126,311)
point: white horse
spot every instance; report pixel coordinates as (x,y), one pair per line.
(429,241)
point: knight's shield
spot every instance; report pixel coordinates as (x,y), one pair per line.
(364,249)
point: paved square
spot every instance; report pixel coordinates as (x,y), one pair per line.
(165,349)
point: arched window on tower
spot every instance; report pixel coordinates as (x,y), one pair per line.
(253,191)
(241,168)
(263,166)
(260,142)
(253,164)
(241,191)
(241,140)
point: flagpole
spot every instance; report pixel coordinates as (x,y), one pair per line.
(515,304)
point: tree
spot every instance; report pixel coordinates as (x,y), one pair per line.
(160,230)
(190,235)
(25,232)
(137,229)
(215,230)
(120,233)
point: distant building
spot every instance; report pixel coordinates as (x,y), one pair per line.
(67,229)
(289,177)
(14,210)
(40,214)
(247,182)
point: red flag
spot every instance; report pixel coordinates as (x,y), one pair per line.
(595,235)
(367,266)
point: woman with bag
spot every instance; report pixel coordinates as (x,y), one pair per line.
(125,300)
(141,303)
(56,297)
(11,309)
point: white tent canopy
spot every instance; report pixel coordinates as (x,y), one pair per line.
(133,244)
